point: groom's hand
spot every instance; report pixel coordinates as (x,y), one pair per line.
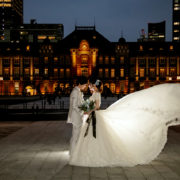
(87,113)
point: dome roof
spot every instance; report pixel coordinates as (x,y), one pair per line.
(122,40)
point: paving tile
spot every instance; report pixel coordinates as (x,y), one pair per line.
(80,177)
(60,178)
(133,172)
(81,170)
(117,177)
(137,178)
(115,171)
(155,177)
(43,177)
(175,167)
(98,172)
(39,152)
(99,178)
(7,176)
(25,178)
(170,175)
(65,172)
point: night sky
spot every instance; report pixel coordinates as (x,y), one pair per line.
(112,17)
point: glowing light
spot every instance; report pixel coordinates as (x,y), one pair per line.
(30,90)
(28,48)
(171,47)
(113,87)
(121,72)
(62,156)
(84,46)
(46,71)
(112,73)
(106,73)
(5,5)
(106,60)
(142,72)
(36,71)
(73,53)
(141,48)
(176,23)
(101,72)
(42,37)
(176,8)
(178,77)
(176,38)
(94,58)
(52,37)
(161,36)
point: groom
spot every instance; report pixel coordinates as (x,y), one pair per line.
(75,114)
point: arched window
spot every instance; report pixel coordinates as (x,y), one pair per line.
(84,45)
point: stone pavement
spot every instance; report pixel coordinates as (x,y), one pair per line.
(39,151)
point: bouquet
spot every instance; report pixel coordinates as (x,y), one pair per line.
(87,105)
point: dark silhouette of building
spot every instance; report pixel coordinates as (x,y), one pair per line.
(35,32)
(176,21)
(156,31)
(11,13)
(142,37)
(30,68)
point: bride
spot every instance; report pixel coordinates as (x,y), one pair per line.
(131,131)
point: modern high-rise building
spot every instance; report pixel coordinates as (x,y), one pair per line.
(35,32)
(11,13)
(176,20)
(156,31)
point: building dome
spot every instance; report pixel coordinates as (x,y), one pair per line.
(122,40)
(47,40)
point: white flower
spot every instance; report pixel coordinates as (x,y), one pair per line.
(97,82)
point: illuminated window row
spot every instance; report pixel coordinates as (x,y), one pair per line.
(112,71)
(176,38)
(176,8)
(5,0)
(42,37)
(5,5)
(141,47)
(106,60)
(176,23)
(161,36)
(152,72)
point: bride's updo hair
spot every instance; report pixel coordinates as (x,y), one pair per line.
(98,84)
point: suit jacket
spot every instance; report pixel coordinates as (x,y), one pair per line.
(75,114)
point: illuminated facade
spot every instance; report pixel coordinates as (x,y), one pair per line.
(123,67)
(11,13)
(176,20)
(156,31)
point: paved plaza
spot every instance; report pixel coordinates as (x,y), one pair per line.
(39,151)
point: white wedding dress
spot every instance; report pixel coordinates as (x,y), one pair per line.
(131,131)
